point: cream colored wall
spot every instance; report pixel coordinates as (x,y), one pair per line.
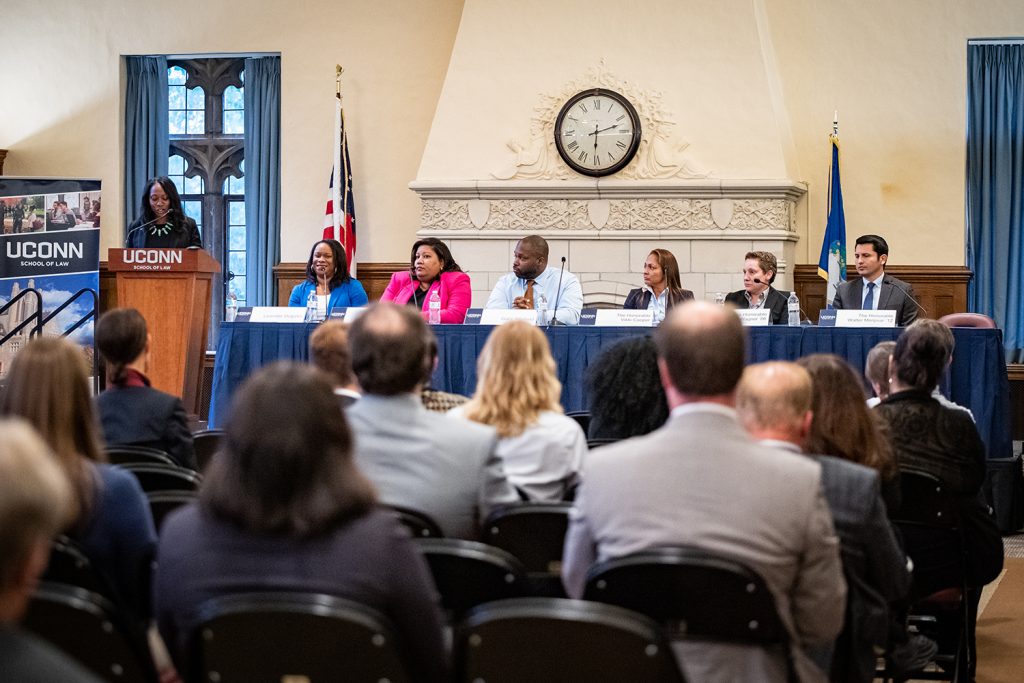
(62,115)
(751,84)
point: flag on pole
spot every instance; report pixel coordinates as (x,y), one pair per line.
(832,262)
(340,218)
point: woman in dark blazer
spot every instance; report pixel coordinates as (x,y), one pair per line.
(132,412)
(661,290)
(162,223)
(759,268)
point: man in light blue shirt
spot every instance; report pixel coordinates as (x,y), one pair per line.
(531,278)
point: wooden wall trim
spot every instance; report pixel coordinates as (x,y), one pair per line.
(373,276)
(940,290)
(3,155)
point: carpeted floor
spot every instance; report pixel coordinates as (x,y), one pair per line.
(1000,633)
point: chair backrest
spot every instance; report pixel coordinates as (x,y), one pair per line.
(419,524)
(163,503)
(582,418)
(88,628)
(468,573)
(695,593)
(533,532)
(597,443)
(929,522)
(968,320)
(312,637)
(549,639)
(164,477)
(206,443)
(124,455)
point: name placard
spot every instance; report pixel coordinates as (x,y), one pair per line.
(346,313)
(827,317)
(847,318)
(754,317)
(500,316)
(610,317)
(277,314)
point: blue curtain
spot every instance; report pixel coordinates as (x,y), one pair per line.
(995,187)
(146,140)
(262,177)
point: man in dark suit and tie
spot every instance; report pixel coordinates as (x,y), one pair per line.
(874,290)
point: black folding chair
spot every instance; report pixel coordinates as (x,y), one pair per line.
(206,444)
(419,524)
(88,627)
(549,640)
(124,455)
(69,566)
(930,523)
(163,503)
(535,534)
(696,595)
(468,573)
(164,477)
(597,443)
(582,418)
(274,637)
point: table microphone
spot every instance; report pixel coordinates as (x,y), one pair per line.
(558,295)
(128,237)
(909,296)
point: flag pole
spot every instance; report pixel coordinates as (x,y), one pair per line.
(339,169)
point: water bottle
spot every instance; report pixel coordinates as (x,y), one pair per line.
(794,310)
(720,298)
(434,308)
(542,310)
(311,313)
(231,308)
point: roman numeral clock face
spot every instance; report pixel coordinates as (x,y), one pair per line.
(597,132)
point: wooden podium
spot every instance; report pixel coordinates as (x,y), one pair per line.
(172,288)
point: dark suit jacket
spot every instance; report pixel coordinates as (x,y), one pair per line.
(894,295)
(143,416)
(639,299)
(778,303)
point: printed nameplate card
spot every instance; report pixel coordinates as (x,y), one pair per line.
(847,318)
(754,317)
(500,316)
(611,317)
(346,313)
(277,314)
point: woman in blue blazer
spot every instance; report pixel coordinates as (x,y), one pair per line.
(327,276)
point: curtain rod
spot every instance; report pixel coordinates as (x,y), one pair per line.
(995,41)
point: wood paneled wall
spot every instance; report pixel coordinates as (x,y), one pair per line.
(373,276)
(940,290)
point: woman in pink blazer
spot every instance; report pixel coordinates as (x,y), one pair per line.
(431,266)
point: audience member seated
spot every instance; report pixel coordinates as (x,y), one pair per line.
(517,394)
(436,400)
(328,280)
(759,269)
(876,370)
(944,442)
(283,507)
(432,268)
(34,495)
(844,427)
(624,391)
(112,524)
(328,351)
(443,466)
(131,411)
(661,290)
(531,278)
(774,404)
(702,481)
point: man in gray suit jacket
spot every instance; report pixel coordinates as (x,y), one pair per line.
(874,290)
(443,466)
(700,480)
(774,404)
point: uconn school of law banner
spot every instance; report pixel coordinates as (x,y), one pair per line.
(49,261)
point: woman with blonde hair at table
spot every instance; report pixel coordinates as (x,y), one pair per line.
(518,394)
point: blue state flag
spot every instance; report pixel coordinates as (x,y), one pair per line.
(832,262)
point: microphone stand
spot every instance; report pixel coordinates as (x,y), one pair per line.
(558,295)
(128,237)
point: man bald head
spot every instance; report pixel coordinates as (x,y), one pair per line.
(390,349)
(701,351)
(773,401)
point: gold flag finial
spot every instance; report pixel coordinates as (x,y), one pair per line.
(338,70)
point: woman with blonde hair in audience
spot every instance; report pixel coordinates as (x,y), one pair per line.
(844,426)
(518,394)
(47,386)
(283,507)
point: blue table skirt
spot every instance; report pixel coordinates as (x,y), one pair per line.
(977,378)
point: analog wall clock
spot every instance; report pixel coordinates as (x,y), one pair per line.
(597,132)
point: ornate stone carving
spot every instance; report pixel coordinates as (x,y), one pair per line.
(445,214)
(661,155)
(761,214)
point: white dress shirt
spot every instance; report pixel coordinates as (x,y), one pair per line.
(569,297)
(657,304)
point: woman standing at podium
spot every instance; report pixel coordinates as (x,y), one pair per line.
(327,277)
(161,223)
